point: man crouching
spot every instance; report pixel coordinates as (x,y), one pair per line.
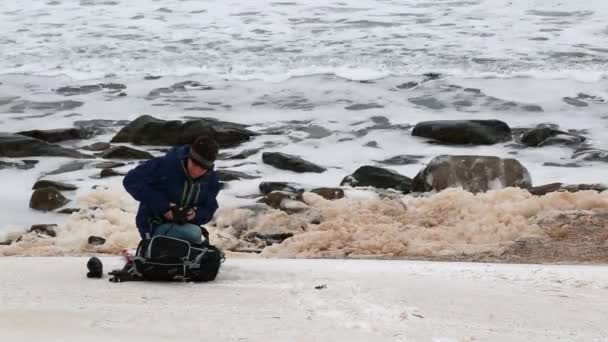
(177,192)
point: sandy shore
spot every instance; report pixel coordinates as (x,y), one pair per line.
(50,299)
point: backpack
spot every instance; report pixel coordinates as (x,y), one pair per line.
(164,258)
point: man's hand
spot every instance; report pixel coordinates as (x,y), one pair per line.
(190,214)
(169,214)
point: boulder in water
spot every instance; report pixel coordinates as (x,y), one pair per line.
(16,145)
(464,132)
(125,152)
(378,177)
(46,199)
(57,135)
(290,162)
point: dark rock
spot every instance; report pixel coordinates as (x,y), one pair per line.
(96,240)
(590,154)
(22,165)
(69,167)
(316,132)
(575,102)
(404,159)
(6,243)
(100,126)
(151,77)
(472,90)
(178,87)
(105,173)
(98,146)
(363,106)
(472,173)
(407,85)
(561,165)
(268,187)
(245,154)
(378,177)
(15,146)
(46,199)
(147,130)
(290,162)
(427,101)
(57,135)
(544,136)
(329,193)
(560,187)
(68,211)
(275,198)
(266,239)
(108,165)
(372,144)
(229,175)
(87,89)
(125,152)
(532,108)
(58,185)
(464,132)
(23,106)
(44,229)
(429,76)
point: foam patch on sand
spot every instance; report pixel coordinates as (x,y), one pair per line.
(453,222)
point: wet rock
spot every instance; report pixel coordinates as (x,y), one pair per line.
(147,130)
(57,135)
(329,193)
(407,85)
(98,146)
(290,162)
(177,87)
(532,108)
(575,102)
(266,239)
(372,144)
(245,154)
(555,187)
(58,185)
(125,152)
(91,88)
(363,106)
(21,165)
(544,136)
(378,177)
(69,167)
(464,132)
(472,173)
(428,102)
(23,106)
(316,132)
(96,240)
(105,173)
(44,229)
(100,126)
(561,165)
(268,187)
(108,165)
(46,199)
(15,146)
(404,159)
(229,175)
(275,198)
(590,154)
(68,211)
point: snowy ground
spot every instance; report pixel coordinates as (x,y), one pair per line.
(276,300)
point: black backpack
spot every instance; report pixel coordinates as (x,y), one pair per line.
(164,258)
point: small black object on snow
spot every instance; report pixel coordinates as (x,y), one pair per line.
(321,287)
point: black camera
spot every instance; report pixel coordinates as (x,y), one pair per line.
(180,214)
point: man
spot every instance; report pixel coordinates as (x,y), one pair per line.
(177,192)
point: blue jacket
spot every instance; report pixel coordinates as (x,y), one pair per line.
(163,180)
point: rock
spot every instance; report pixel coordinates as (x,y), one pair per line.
(108,165)
(378,177)
(57,135)
(105,173)
(329,193)
(561,165)
(15,146)
(290,162)
(404,159)
(245,154)
(147,130)
(178,87)
(268,187)
(22,165)
(23,106)
(228,175)
(96,240)
(98,146)
(407,85)
(46,199)
(69,167)
(6,243)
(275,198)
(575,102)
(44,229)
(428,102)
(555,187)
(68,211)
(590,154)
(472,173)
(87,89)
(544,136)
(125,152)
(58,185)
(363,106)
(372,144)
(266,239)
(100,126)
(464,132)
(532,108)
(292,206)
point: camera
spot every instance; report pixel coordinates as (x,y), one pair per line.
(180,214)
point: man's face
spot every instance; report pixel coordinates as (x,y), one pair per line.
(195,170)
